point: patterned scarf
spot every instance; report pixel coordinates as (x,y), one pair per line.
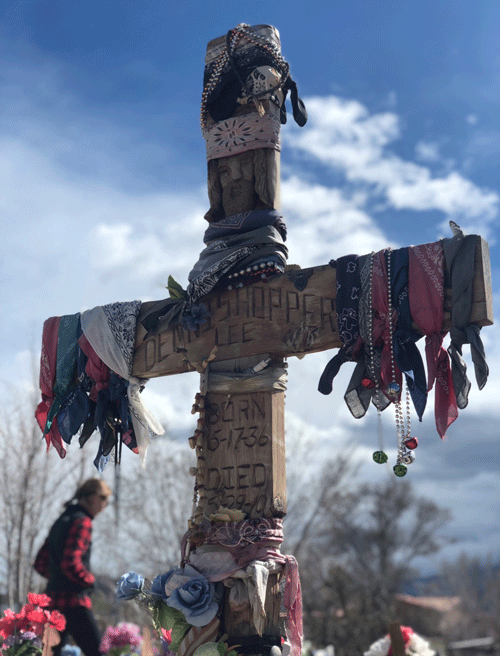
(346,308)
(245,222)
(362,386)
(239,250)
(76,407)
(110,330)
(63,384)
(48,361)
(459,257)
(259,539)
(406,353)
(426,289)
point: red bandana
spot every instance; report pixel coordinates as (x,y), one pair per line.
(95,368)
(48,360)
(426,292)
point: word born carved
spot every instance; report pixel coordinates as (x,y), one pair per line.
(238,453)
(235,317)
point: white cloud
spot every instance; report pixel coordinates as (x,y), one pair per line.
(343,135)
(330,222)
(342,132)
(454,195)
(427,151)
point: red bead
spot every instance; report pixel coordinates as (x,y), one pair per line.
(411,443)
(367,383)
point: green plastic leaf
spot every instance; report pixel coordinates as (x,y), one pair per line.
(171,619)
(179,630)
(174,289)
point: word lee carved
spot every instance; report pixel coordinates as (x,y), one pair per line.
(292,313)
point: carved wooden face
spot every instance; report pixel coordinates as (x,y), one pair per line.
(237,180)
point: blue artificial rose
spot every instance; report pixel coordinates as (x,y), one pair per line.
(158,585)
(195,599)
(129,585)
(70,650)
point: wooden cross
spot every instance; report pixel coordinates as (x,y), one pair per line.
(240,443)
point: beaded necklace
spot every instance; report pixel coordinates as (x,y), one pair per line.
(405,443)
(225,59)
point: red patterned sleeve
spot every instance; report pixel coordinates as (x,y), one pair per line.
(41,563)
(77,544)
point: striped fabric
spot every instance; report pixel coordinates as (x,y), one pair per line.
(197,636)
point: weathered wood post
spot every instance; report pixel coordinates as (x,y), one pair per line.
(241,449)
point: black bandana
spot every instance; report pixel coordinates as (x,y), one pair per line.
(346,307)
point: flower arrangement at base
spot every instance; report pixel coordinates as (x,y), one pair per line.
(22,633)
(125,638)
(177,601)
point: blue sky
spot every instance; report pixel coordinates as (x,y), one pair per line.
(103,182)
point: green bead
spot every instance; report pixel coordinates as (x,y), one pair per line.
(400,470)
(380,457)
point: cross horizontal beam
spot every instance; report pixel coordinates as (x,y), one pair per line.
(291,314)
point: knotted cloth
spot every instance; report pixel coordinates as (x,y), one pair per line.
(48,361)
(359,394)
(110,329)
(406,353)
(459,257)
(346,308)
(252,546)
(426,288)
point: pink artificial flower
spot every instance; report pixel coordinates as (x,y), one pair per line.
(34,614)
(166,635)
(57,620)
(124,635)
(41,600)
(8,623)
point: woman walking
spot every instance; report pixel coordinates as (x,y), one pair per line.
(64,559)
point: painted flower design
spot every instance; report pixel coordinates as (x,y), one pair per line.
(232,133)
